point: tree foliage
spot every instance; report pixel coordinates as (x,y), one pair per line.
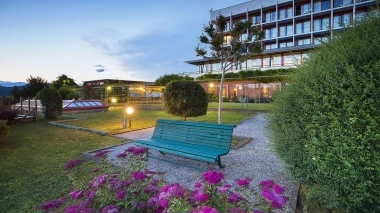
(51,101)
(67,93)
(63,80)
(325,124)
(235,50)
(165,79)
(4,129)
(185,99)
(35,84)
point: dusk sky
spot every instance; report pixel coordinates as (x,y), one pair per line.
(130,40)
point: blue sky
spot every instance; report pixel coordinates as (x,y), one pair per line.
(129,39)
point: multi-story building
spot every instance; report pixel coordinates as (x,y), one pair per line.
(292,28)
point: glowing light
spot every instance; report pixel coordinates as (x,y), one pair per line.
(129,110)
(113,100)
(211,85)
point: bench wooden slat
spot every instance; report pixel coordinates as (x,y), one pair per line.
(196,140)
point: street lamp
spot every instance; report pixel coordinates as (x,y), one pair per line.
(113,100)
(129,111)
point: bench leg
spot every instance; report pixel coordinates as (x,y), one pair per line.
(162,152)
(218,161)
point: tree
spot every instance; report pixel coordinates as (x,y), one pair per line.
(230,52)
(325,123)
(63,80)
(51,101)
(165,79)
(185,99)
(35,84)
(16,92)
(67,93)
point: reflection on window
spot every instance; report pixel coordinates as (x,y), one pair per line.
(256,19)
(321,24)
(270,46)
(286,30)
(286,13)
(341,3)
(342,20)
(304,41)
(303,27)
(319,40)
(321,5)
(303,9)
(271,33)
(270,16)
(266,62)
(256,62)
(286,44)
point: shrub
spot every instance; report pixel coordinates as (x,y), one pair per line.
(185,99)
(8,114)
(325,124)
(4,130)
(67,93)
(51,101)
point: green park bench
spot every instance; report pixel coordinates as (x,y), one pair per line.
(195,140)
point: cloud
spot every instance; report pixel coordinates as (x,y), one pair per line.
(100,70)
(99,65)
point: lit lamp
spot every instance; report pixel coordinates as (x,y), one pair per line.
(129,111)
(113,100)
(211,85)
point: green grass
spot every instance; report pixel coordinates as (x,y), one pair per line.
(251,106)
(111,121)
(31,161)
(33,154)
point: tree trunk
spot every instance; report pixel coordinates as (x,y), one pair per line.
(221,96)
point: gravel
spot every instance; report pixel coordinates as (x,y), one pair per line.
(254,160)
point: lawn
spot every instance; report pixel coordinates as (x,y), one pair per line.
(111,121)
(33,154)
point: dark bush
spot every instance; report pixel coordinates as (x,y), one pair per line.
(8,114)
(325,123)
(4,129)
(51,101)
(185,99)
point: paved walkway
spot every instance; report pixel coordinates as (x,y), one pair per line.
(254,160)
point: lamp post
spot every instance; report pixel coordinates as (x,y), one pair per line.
(129,111)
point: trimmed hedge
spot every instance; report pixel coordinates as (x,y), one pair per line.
(51,101)
(185,99)
(273,75)
(4,129)
(325,124)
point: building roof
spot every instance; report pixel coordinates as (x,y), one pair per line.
(115,81)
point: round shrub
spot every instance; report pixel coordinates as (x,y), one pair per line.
(4,130)
(185,99)
(51,101)
(325,123)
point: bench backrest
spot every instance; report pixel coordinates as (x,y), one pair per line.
(197,133)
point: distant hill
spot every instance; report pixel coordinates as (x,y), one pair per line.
(11,84)
(4,91)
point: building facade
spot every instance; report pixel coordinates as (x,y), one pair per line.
(292,28)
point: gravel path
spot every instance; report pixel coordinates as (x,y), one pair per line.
(254,160)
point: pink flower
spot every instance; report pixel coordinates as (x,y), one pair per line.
(101,154)
(205,209)
(136,150)
(98,181)
(95,170)
(164,203)
(152,201)
(234,197)
(278,189)
(121,155)
(76,194)
(110,209)
(223,189)
(212,177)
(278,202)
(90,194)
(243,182)
(52,204)
(138,175)
(234,210)
(71,163)
(120,194)
(257,211)
(197,185)
(200,196)
(267,183)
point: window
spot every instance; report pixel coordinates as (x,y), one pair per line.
(244,37)
(266,62)
(286,30)
(342,20)
(228,26)
(321,24)
(227,40)
(303,9)
(304,41)
(270,16)
(360,15)
(321,5)
(270,46)
(341,3)
(256,19)
(276,61)
(303,27)
(270,33)
(286,44)
(256,62)
(319,40)
(286,13)
(216,67)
